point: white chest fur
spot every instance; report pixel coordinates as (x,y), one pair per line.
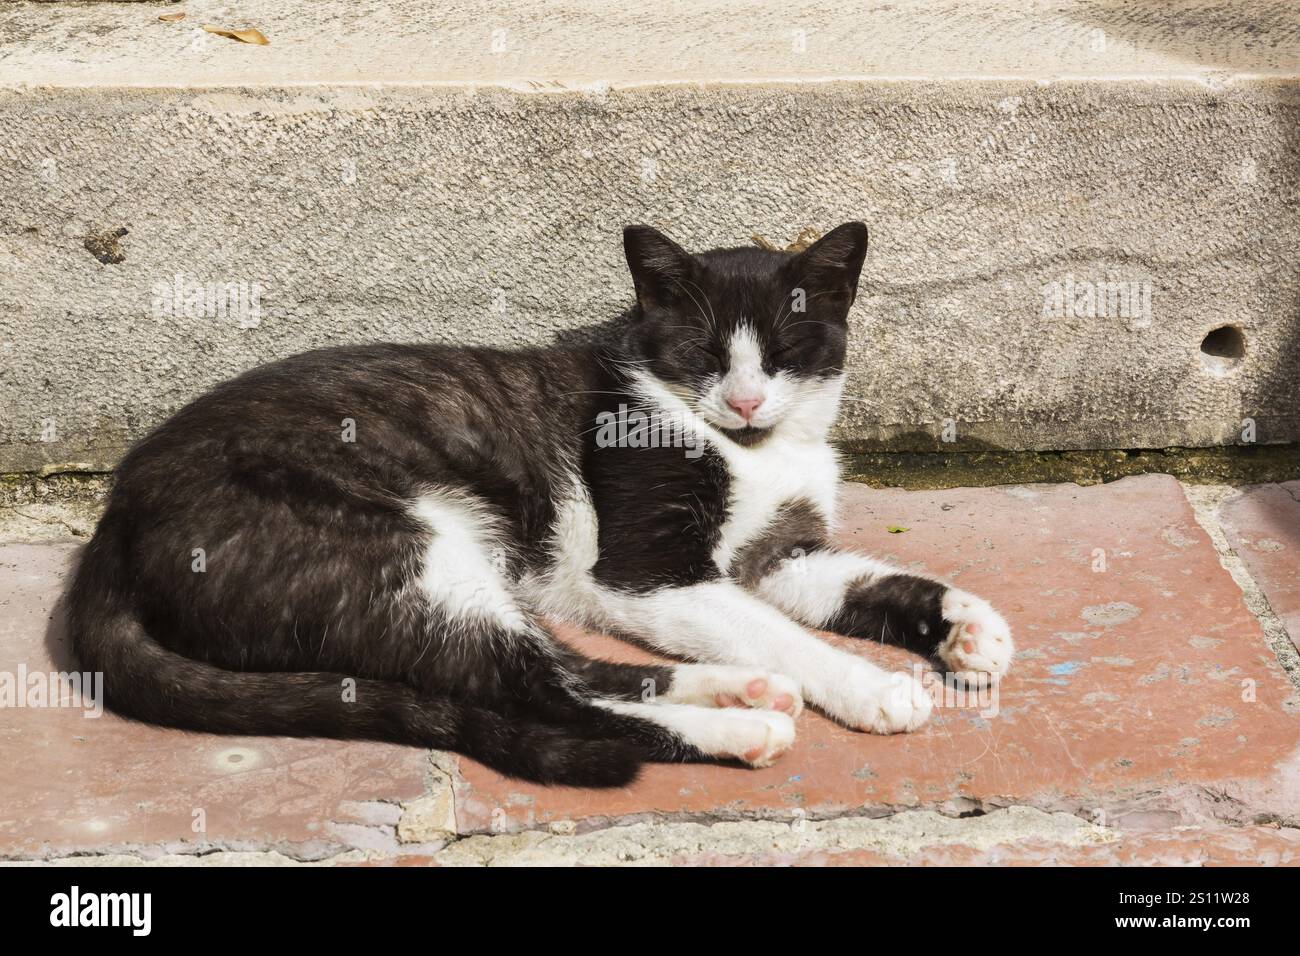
(795,461)
(767,476)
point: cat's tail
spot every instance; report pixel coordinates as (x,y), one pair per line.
(146,681)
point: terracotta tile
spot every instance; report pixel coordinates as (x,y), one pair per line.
(1263,527)
(1140,686)
(1127,699)
(78,783)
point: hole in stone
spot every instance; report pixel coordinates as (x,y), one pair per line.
(1223,348)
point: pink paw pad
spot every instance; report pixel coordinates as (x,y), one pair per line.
(757,687)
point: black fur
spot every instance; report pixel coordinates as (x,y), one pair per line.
(798,529)
(900,609)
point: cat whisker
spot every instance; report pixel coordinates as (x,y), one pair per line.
(711,319)
(779,324)
(712,316)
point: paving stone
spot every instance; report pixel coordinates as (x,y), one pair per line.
(1144,694)
(1144,698)
(1263,527)
(88,784)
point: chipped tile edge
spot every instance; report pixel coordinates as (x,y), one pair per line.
(1206,502)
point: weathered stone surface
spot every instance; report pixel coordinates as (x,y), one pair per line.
(1143,696)
(1263,527)
(372,175)
(74,783)
(432,817)
(590,43)
(1016,836)
(1187,846)
(895,838)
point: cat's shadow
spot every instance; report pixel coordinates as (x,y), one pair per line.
(606,333)
(58,636)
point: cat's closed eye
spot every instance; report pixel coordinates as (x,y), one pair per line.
(787,353)
(716,355)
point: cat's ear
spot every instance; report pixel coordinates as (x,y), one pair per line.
(658,265)
(833,263)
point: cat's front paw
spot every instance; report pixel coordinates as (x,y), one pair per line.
(978,647)
(887,704)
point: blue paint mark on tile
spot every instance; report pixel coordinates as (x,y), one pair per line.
(1069,667)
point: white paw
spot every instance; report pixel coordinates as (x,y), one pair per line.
(755,737)
(888,704)
(707,685)
(978,647)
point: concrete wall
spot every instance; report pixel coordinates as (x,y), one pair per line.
(363,178)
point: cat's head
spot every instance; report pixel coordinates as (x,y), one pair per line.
(751,340)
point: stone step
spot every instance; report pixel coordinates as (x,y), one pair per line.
(1066,200)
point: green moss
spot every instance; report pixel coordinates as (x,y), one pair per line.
(920,442)
(1237,464)
(967,467)
(26,488)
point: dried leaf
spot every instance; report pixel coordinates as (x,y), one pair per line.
(243,36)
(897,529)
(807,236)
(172,17)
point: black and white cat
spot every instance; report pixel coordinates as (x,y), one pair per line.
(365,541)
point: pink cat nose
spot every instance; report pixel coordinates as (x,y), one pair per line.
(745,407)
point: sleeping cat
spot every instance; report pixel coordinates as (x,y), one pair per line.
(367,541)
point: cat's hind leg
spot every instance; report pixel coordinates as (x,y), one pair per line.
(646,701)
(701,685)
(562,691)
(754,737)
(716,685)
